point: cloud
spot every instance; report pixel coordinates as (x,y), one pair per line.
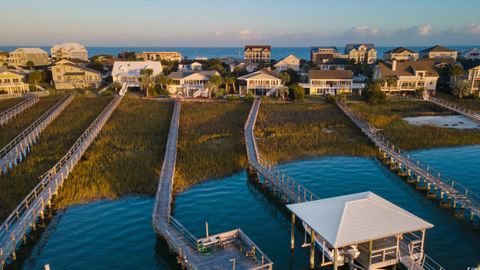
(363,31)
(245,32)
(424,30)
(473,28)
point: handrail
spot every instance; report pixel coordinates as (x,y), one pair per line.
(188,235)
(472,114)
(18,147)
(25,214)
(11,112)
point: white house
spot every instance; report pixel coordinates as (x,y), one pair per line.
(69,51)
(190,65)
(400,53)
(129,71)
(190,83)
(438,51)
(289,62)
(330,82)
(259,82)
(247,65)
(471,54)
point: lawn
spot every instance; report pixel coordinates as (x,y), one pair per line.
(54,142)
(125,158)
(289,131)
(23,120)
(388,117)
(211,142)
(7,103)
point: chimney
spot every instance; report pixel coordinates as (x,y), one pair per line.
(394,65)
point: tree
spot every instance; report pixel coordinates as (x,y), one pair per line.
(285,77)
(455,71)
(35,78)
(213,83)
(30,64)
(116,86)
(163,80)
(230,80)
(283,92)
(374,93)
(391,80)
(461,89)
(96,66)
(146,82)
(296,92)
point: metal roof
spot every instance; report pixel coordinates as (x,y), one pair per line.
(356,218)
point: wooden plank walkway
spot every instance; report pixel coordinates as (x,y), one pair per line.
(9,114)
(17,149)
(448,191)
(222,248)
(23,219)
(474,115)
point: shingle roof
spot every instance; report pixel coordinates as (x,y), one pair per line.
(437,48)
(356,218)
(331,74)
(349,47)
(259,72)
(470,64)
(31,50)
(400,50)
(82,68)
(330,60)
(408,68)
(263,47)
(314,49)
(182,74)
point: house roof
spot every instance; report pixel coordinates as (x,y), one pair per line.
(408,68)
(263,47)
(331,74)
(314,49)
(183,74)
(356,218)
(470,64)
(31,50)
(247,62)
(69,47)
(190,61)
(330,60)
(437,48)
(283,61)
(4,53)
(260,72)
(350,47)
(132,68)
(80,67)
(400,50)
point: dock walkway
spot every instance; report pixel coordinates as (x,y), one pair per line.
(218,251)
(9,114)
(23,219)
(474,115)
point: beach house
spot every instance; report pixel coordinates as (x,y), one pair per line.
(257,53)
(190,65)
(21,57)
(289,62)
(190,83)
(471,54)
(438,51)
(11,82)
(400,53)
(471,77)
(330,82)
(68,75)
(69,51)
(246,65)
(3,58)
(325,52)
(259,82)
(361,53)
(129,71)
(160,56)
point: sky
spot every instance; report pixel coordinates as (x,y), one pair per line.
(230,23)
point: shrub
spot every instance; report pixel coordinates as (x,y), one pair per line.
(233,98)
(296,92)
(330,99)
(249,97)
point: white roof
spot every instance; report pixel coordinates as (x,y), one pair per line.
(289,60)
(30,50)
(356,218)
(69,46)
(132,68)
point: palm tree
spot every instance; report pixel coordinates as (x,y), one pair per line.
(164,81)
(461,89)
(146,81)
(214,82)
(285,77)
(455,71)
(229,80)
(391,80)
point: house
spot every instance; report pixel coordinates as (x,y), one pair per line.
(471,76)
(3,58)
(259,82)
(68,75)
(289,62)
(330,82)
(69,51)
(247,65)
(21,56)
(438,52)
(400,53)
(257,53)
(190,65)
(409,76)
(72,61)
(129,71)
(325,52)
(361,53)
(160,56)
(190,83)
(331,63)
(12,82)
(470,54)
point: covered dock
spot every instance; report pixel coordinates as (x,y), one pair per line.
(362,230)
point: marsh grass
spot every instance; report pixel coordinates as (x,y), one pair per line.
(53,143)
(125,158)
(7,103)
(23,120)
(388,117)
(472,104)
(291,131)
(210,142)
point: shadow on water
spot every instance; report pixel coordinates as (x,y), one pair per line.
(165,255)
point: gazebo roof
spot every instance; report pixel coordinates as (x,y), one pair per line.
(356,218)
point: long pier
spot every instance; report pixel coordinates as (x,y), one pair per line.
(23,219)
(449,192)
(228,250)
(7,115)
(18,148)
(472,114)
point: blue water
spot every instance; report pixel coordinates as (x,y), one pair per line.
(118,234)
(192,52)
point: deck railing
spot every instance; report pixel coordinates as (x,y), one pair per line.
(472,114)
(24,216)
(10,113)
(19,147)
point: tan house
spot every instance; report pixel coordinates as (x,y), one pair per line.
(160,56)
(257,53)
(260,82)
(471,77)
(190,83)
(12,82)
(289,62)
(400,53)
(361,53)
(409,75)
(68,75)
(21,56)
(317,53)
(4,58)
(69,51)
(438,52)
(330,82)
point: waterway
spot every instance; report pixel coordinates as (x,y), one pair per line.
(118,234)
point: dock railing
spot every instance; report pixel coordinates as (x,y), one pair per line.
(24,216)
(7,115)
(472,114)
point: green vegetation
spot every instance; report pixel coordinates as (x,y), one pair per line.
(470,103)
(23,120)
(288,131)
(125,158)
(54,142)
(7,103)
(388,117)
(210,142)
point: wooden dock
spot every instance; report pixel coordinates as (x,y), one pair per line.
(449,192)
(220,251)
(474,115)
(23,219)
(9,114)
(17,149)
